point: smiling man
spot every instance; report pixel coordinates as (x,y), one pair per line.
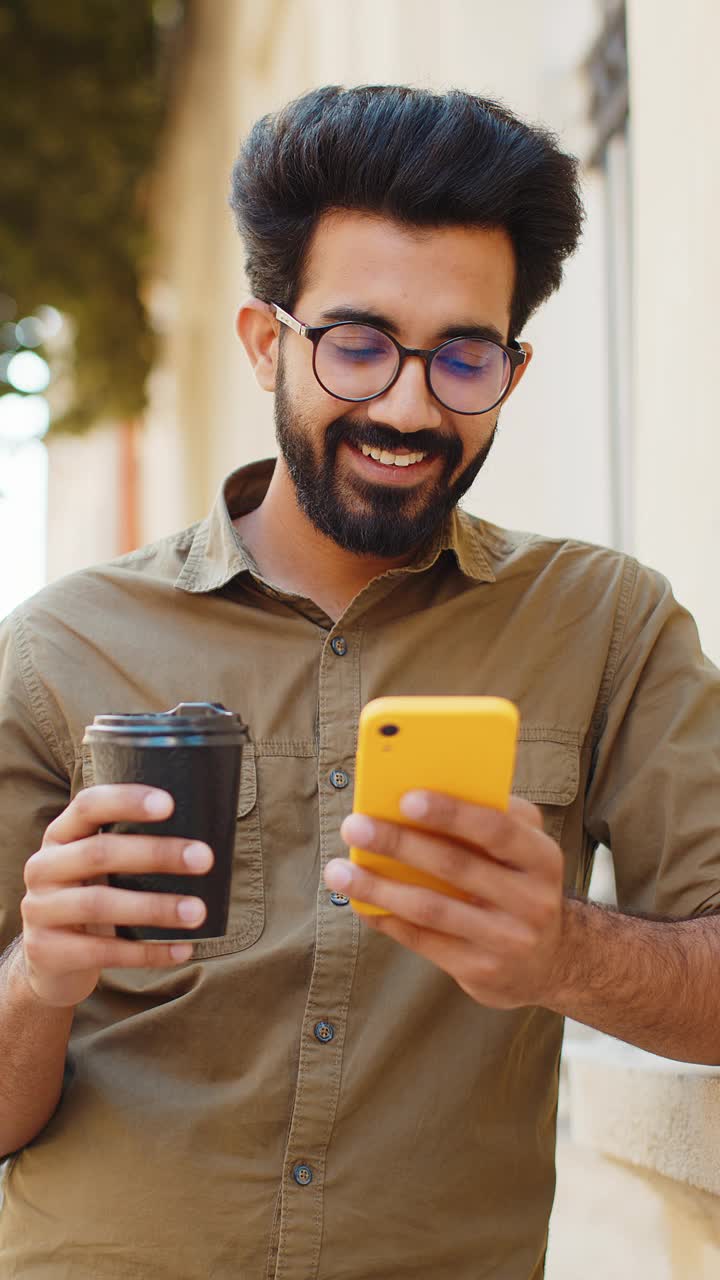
(364,488)
(315,1094)
(367,487)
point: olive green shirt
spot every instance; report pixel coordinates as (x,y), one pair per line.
(305,1098)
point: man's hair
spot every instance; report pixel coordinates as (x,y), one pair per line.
(423,159)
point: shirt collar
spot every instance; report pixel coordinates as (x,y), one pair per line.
(217,554)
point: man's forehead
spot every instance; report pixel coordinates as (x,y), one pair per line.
(382,265)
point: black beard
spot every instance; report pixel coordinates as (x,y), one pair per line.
(390,523)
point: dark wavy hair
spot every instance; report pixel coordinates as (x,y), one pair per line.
(423,159)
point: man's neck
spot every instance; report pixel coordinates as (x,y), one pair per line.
(295,557)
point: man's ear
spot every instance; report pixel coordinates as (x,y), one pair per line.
(257,329)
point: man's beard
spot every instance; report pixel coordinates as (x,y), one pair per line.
(387,521)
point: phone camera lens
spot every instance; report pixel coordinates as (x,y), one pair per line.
(389,730)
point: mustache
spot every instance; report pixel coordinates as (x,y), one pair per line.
(378,436)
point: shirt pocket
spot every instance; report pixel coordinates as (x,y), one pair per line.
(547,772)
(246,919)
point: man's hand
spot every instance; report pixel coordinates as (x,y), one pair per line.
(503,946)
(70,912)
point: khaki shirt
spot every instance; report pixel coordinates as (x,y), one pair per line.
(305,1098)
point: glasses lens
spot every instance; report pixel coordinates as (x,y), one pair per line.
(470,375)
(353,361)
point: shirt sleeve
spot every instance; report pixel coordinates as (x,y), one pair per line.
(34,779)
(654,794)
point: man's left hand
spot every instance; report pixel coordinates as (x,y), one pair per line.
(503,946)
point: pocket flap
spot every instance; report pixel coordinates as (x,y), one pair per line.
(547,770)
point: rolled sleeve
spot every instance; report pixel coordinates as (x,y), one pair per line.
(34,780)
(654,795)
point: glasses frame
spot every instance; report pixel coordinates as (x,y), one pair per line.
(514,352)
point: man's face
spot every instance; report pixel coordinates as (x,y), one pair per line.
(421,283)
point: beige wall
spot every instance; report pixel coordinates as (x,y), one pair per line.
(82,499)
(675,121)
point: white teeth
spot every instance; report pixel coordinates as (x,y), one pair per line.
(392,459)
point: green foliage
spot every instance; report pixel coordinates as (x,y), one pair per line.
(83,103)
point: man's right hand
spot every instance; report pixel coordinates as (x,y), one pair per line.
(70,912)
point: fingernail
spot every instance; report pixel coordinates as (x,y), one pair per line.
(358,829)
(191,909)
(181,950)
(198,857)
(414,804)
(338,875)
(158,802)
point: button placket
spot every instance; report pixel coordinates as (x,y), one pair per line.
(337,936)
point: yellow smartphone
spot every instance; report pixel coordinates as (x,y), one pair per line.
(462,746)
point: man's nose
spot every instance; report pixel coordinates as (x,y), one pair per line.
(408,405)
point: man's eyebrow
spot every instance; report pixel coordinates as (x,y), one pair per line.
(360,315)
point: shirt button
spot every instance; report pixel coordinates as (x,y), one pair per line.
(339,779)
(324,1031)
(302,1174)
(339,646)
(339,899)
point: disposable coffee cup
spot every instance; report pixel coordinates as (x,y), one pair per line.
(194,752)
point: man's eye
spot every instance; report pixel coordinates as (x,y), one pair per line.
(462,368)
(352,352)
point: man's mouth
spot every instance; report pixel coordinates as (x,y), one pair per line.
(388,459)
(404,469)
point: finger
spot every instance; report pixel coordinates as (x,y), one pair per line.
(103,854)
(64,952)
(99,905)
(428,909)
(503,836)
(527,812)
(465,869)
(93,807)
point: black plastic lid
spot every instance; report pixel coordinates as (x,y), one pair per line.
(210,719)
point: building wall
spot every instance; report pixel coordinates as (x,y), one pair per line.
(675,122)
(82,499)
(23,522)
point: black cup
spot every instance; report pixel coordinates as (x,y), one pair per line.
(194,752)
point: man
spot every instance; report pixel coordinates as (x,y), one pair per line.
(315,1094)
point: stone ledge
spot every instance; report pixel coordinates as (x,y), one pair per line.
(651,1112)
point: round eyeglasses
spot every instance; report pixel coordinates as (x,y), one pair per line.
(357,362)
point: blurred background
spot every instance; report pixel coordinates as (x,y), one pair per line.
(125,396)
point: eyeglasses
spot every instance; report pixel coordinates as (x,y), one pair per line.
(359,362)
